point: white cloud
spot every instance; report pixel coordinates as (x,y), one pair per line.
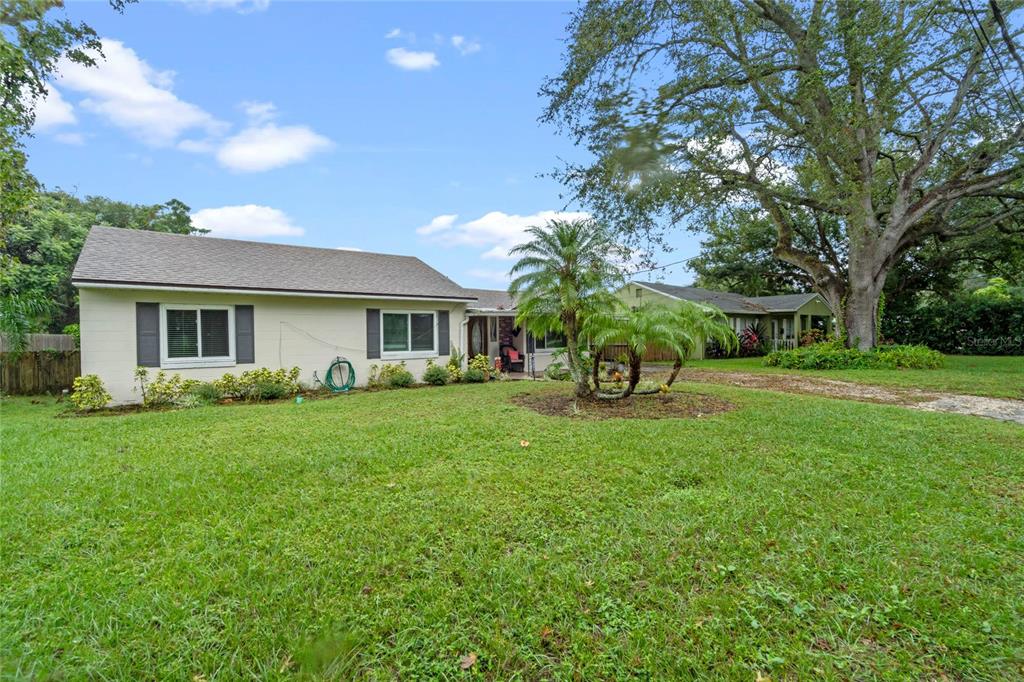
(411,60)
(197,146)
(270,146)
(70,138)
(259,112)
(248,221)
(134,96)
(441,222)
(497,230)
(393,33)
(465,46)
(240,6)
(53,111)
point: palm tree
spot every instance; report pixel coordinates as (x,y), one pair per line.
(680,328)
(638,329)
(702,323)
(564,273)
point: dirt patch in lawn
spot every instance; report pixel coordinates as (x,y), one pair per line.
(1003,409)
(669,406)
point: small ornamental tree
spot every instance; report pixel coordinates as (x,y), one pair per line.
(564,273)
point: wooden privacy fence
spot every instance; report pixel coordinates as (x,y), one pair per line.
(43,342)
(653,354)
(35,373)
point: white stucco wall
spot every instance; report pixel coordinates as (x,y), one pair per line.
(289,331)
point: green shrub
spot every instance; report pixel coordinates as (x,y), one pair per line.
(208,392)
(482,363)
(74,331)
(908,357)
(162,390)
(88,393)
(834,355)
(811,337)
(260,384)
(401,379)
(455,359)
(557,371)
(268,390)
(190,400)
(474,375)
(254,385)
(389,376)
(435,374)
(986,323)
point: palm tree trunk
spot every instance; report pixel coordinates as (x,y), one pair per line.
(634,374)
(595,371)
(676,366)
(575,363)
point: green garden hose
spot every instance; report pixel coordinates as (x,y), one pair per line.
(345,373)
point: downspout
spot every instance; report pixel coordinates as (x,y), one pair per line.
(462,333)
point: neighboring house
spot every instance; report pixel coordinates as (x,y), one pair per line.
(784,318)
(202,306)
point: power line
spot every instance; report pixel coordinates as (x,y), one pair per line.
(666,265)
(993,58)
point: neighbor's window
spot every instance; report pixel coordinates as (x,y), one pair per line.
(411,332)
(551,340)
(639,292)
(197,335)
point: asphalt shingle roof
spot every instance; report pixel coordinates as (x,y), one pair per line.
(119,256)
(784,303)
(492,299)
(729,303)
(734,303)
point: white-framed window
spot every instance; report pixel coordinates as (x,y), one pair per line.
(639,292)
(550,341)
(197,335)
(408,333)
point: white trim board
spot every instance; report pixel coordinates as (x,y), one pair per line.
(263,292)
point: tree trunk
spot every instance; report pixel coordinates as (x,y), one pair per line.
(595,370)
(676,366)
(860,311)
(572,348)
(861,319)
(634,374)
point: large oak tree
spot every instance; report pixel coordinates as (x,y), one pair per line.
(896,120)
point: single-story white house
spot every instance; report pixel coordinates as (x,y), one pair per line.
(202,306)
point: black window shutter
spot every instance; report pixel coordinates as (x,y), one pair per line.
(531,343)
(147,334)
(443,333)
(372,333)
(245,335)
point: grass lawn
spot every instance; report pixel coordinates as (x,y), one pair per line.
(997,377)
(396,533)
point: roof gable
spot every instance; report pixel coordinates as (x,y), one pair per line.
(137,257)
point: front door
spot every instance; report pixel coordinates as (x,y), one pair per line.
(477,336)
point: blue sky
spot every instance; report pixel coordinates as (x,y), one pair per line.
(393,127)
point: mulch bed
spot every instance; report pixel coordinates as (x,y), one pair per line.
(668,406)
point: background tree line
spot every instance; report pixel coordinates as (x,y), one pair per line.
(43,241)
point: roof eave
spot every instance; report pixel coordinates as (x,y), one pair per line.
(85,283)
